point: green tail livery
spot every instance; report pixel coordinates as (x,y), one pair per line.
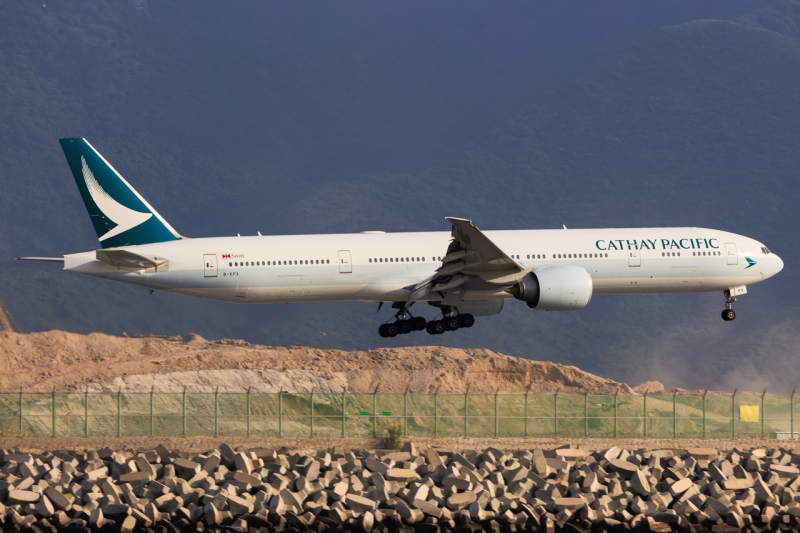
(121,217)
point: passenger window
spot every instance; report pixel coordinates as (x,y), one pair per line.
(230,264)
(328,261)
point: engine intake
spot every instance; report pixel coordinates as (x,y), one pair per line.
(558,288)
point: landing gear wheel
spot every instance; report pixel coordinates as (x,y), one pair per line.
(391,330)
(435,327)
(466,320)
(451,323)
(382,331)
(419,323)
(728,315)
(404,327)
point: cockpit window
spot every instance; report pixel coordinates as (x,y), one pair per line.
(765,250)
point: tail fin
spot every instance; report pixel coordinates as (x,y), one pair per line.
(121,217)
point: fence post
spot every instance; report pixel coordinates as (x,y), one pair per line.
(151,410)
(375,412)
(86,412)
(466,413)
(645,413)
(495,413)
(674,414)
(344,410)
(615,413)
(733,414)
(791,414)
(280,413)
(405,413)
(184,414)
(436,413)
(704,413)
(312,412)
(556,416)
(20,413)
(585,414)
(526,413)
(54,412)
(119,412)
(216,412)
(248,411)
(762,412)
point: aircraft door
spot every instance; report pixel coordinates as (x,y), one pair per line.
(345,262)
(730,253)
(634,258)
(210,265)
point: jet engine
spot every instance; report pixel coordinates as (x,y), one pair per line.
(557,288)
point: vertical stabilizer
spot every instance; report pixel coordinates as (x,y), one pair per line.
(121,217)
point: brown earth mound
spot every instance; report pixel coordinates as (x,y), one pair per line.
(71,362)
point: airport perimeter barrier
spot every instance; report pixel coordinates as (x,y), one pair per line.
(125,414)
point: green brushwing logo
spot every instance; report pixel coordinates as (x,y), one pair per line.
(750,262)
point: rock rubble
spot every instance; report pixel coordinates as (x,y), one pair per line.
(427,491)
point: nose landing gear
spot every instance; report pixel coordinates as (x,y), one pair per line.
(728,313)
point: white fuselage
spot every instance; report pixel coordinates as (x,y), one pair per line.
(383,266)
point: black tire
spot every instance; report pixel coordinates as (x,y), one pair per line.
(438,327)
(391,330)
(429,327)
(419,323)
(728,315)
(466,320)
(404,327)
(451,323)
(382,331)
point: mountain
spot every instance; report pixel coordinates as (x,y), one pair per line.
(282,118)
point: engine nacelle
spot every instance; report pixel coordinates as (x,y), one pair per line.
(558,288)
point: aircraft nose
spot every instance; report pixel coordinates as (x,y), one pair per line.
(778,264)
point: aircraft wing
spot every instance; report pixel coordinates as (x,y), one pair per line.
(472,261)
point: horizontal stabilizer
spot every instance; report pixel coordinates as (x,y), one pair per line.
(42,259)
(126,259)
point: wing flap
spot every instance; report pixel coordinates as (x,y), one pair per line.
(127,259)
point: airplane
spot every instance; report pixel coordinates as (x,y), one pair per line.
(464,273)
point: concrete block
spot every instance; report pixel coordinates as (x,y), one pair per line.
(640,484)
(359,503)
(402,475)
(571,504)
(185,466)
(136,478)
(622,467)
(427,508)
(461,500)
(239,506)
(58,499)
(23,496)
(680,486)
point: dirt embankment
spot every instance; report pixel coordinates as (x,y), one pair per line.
(71,362)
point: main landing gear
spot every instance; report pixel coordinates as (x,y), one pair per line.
(401,325)
(450,323)
(728,313)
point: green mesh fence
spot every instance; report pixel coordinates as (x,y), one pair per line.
(419,415)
